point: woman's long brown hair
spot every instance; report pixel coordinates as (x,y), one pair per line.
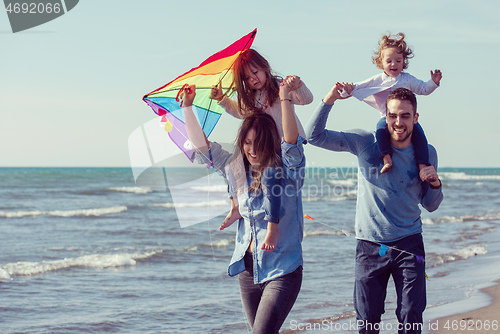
(267,145)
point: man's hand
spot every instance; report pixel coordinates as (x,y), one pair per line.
(334,93)
(429,174)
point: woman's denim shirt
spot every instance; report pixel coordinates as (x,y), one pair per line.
(287,256)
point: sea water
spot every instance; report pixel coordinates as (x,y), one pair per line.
(86,250)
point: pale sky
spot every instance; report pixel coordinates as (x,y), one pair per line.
(71,89)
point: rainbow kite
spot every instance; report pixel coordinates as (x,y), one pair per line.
(217,69)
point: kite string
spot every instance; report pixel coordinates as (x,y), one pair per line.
(243,49)
(226,72)
(207,157)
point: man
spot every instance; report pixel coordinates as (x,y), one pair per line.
(388,224)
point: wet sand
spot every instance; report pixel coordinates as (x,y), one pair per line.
(485,320)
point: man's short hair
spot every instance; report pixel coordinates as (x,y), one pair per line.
(403,94)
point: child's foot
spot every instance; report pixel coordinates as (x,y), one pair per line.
(387,164)
(272,237)
(231,217)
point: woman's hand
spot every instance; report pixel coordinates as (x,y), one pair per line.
(284,91)
(187,95)
(196,135)
(293,82)
(289,123)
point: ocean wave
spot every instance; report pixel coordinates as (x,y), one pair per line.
(462,219)
(318,233)
(134,190)
(328,323)
(219,243)
(427,221)
(306,198)
(329,190)
(99,261)
(61,213)
(4,275)
(347,182)
(461,176)
(214,188)
(312,195)
(190,249)
(472,250)
(223,243)
(191,204)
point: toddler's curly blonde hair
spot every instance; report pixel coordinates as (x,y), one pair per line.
(393,41)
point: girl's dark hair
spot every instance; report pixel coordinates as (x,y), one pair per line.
(393,41)
(267,145)
(246,96)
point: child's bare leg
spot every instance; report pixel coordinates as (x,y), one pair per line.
(232,216)
(272,237)
(387,164)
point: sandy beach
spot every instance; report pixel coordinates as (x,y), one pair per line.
(485,320)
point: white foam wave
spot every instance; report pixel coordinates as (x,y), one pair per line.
(472,250)
(353,193)
(99,261)
(462,219)
(134,190)
(427,221)
(214,188)
(348,182)
(467,177)
(70,248)
(318,233)
(61,213)
(192,204)
(461,254)
(223,243)
(306,198)
(4,275)
(19,214)
(329,192)
(220,243)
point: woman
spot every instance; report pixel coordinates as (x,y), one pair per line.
(269,281)
(257,91)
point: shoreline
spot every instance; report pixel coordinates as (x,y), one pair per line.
(482,320)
